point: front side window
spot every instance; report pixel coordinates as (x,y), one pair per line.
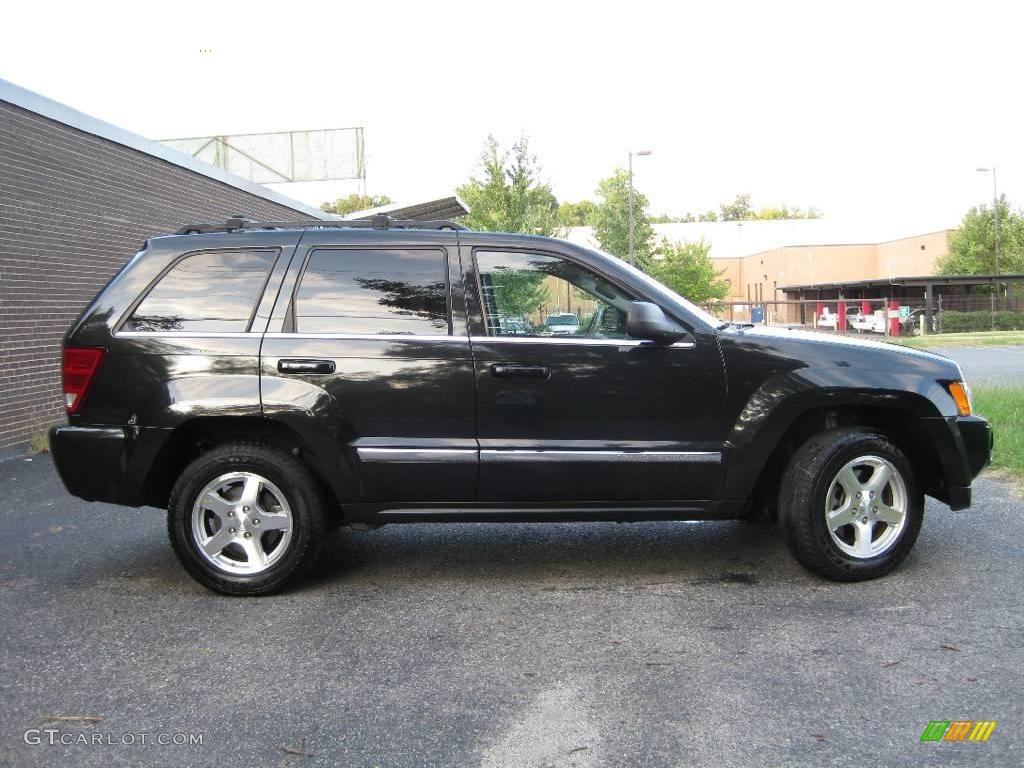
(529,294)
(355,291)
(212,291)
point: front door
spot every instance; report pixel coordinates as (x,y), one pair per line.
(570,408)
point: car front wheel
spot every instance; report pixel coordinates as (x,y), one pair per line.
(851,505)
(246,519)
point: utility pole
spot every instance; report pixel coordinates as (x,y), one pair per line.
(632,223)
(995,207)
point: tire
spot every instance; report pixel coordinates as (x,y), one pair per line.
(830,469)
(246,519)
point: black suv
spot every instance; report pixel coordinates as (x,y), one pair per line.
(266,382)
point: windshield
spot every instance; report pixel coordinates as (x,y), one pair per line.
(664,291)
(563,320)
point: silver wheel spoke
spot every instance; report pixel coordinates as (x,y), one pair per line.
(254,551)
(216,504)
(879,479)
(844,515)
(862,538)
(887,514)
(251,491)
(218,541)
(848,480)
(275,521)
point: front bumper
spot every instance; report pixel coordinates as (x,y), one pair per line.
(105,463)
(963,445)
(978,440)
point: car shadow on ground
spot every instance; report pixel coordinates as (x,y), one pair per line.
(708,552)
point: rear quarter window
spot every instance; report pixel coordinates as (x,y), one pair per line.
(369,292)
(212,291)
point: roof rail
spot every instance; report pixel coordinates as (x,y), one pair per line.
(239,222)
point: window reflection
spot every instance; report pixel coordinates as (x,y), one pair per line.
(373,292)
(205,292)
(537,295)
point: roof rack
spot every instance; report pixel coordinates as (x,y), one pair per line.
(239,222)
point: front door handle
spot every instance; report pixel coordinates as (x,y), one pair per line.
(305,366)
(508,371)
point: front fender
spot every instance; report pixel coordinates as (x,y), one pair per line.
(784,398)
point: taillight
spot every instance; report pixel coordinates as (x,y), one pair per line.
(79,369)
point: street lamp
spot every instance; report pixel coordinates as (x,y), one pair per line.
(995,208)
(632,223)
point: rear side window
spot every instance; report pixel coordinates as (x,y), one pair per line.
(205,292)
(350,291)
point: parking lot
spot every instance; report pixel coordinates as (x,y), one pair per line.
(507,645)
(991,366)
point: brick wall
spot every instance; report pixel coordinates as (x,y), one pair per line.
(73,208)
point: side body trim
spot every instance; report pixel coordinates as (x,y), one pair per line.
(520,455)
(418,455)
(499,456)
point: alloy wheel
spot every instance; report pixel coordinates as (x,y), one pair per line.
(242,523)
(866,507)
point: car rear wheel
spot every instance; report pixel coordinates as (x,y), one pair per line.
(851,505)
(246,519)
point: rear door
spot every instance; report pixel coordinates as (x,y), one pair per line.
(367,356)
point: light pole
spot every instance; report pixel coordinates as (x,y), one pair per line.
(632,223)
(995,208)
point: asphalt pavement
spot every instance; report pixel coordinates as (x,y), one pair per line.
(998,366)
(505,645)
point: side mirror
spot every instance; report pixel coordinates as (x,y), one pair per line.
(649,322)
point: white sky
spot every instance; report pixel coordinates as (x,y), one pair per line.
(870,111)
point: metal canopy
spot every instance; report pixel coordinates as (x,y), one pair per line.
(916,281)
(441,208)
(291,156)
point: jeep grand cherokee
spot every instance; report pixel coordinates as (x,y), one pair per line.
(266,382)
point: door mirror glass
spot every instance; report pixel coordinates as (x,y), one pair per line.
(649,322)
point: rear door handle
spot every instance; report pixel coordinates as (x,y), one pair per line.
(305,366)
(507,371)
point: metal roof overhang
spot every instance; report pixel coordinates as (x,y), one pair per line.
(916,281)
(430,210)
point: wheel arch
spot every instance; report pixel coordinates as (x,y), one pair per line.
(196,436)
(757,467)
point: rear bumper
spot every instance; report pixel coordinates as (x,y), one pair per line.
(964,448)
(105,463)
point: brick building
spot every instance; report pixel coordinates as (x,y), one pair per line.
(77,199)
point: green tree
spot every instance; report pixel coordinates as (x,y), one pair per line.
(785,212)
(708,216)
(972,248)
(611,219)
(688,270)
(518,292)
(579,214)
(346,205)
(664,218)
(507,194)
(738,210)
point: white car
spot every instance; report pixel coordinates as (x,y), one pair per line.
(829,319)
(563,324)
